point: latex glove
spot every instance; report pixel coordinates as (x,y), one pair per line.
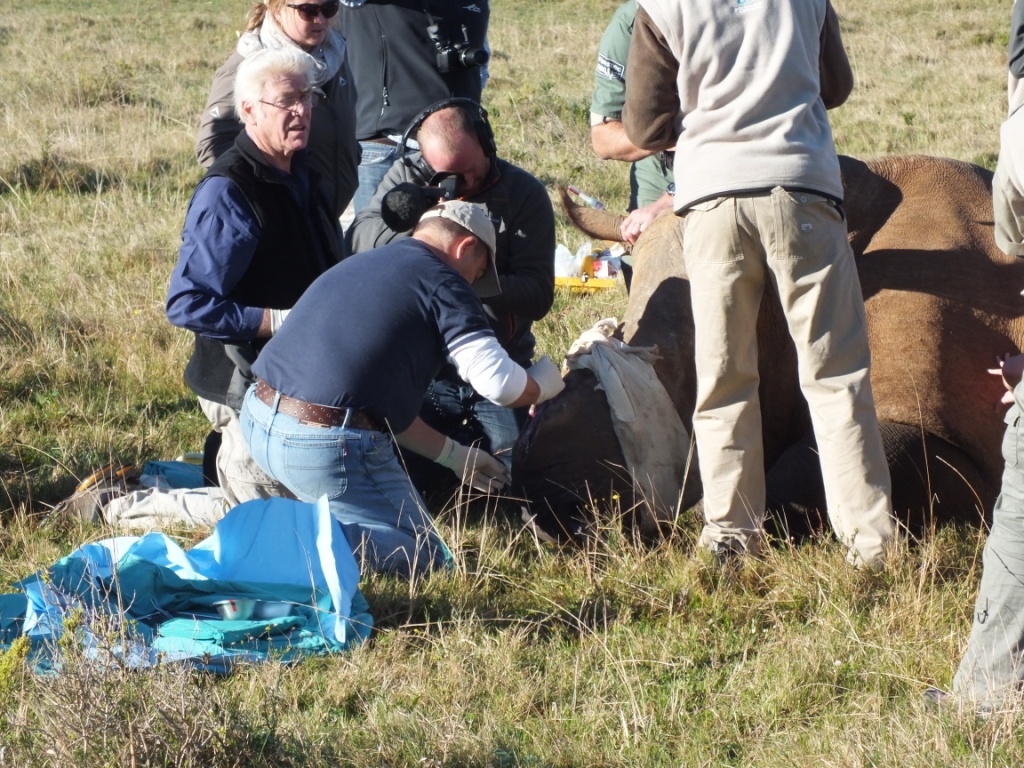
(548,378)
(402,206)
(277,317)
(475,467)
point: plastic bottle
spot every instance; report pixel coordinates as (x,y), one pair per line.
(593,202)
(587,267)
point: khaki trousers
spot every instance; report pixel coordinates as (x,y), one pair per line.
(798,241)
(238,475)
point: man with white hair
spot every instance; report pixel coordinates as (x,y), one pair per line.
(256,234)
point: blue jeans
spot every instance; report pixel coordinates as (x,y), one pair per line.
(453,407)
(373,167)
(384,519)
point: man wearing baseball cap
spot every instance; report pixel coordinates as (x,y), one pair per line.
(344,378)
(458,158)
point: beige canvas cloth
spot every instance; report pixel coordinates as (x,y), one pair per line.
(155,508)
(654,441)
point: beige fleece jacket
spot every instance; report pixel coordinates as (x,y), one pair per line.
(740,89)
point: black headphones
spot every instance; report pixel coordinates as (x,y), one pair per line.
(484,132)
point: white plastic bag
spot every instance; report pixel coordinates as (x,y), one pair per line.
(566,264)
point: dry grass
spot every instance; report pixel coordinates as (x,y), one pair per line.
(930,79)
(621,654)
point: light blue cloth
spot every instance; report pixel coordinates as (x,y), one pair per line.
(276,550)
(172,474)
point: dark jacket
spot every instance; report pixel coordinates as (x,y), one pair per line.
(525,247)
(333,151)
(1015,50)
(394,61)
(295,247)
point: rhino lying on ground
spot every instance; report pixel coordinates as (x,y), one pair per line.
(942,302)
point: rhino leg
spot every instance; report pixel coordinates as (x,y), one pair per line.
(933,483)
(795,494)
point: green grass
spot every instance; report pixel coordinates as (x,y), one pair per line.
(622,654)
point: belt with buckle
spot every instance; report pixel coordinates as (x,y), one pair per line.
(320,415)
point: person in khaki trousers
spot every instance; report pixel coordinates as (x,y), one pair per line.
(742,97)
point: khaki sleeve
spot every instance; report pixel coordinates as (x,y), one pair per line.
(652,97)
(1008,211)
(834,67)
(218,124)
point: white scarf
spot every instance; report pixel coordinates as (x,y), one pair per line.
(327,57)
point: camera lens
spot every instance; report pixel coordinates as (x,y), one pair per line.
(473,57)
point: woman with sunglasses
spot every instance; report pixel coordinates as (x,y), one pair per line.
(306,26)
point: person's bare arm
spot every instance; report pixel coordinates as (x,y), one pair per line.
(474,466)
(421,439)
(638,220)
(611,142)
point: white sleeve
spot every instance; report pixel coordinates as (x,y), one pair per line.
(483,363)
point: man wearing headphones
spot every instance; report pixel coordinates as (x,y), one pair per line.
(458,159)
(404,56)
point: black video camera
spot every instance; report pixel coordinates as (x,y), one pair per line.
(460,55)
(449,182)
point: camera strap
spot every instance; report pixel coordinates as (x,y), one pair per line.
(433,30)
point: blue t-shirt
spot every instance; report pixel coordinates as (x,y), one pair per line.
(373,331)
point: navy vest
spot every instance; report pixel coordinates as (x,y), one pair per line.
(295,247)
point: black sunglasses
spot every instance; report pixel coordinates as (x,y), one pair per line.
(309,11)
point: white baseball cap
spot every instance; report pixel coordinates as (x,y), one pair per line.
(473,218)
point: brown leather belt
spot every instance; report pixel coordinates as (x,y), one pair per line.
(311,413)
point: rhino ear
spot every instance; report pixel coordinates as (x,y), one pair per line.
(603,225)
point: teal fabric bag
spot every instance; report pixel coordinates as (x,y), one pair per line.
(224,632)
(172,474)
(12,617)
(161,597)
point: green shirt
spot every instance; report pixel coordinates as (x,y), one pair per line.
(610,75)
(648,178)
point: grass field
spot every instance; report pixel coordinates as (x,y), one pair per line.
(618,655)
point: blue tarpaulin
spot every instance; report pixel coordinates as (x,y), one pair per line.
(158,599)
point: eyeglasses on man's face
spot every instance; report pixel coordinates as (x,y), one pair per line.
(308,98)
(309,11)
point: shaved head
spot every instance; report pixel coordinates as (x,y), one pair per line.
(447,128)
(449,143)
